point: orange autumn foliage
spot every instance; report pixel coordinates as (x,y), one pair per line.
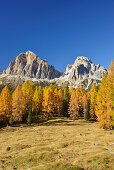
(18,104)
(5,104)
(37,100)
(93,95)
(48,104)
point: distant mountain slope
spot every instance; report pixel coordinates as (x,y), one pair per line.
(82,73)
(30,65)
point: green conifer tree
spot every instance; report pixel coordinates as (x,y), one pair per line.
(29,118)
(66,98)
(86,114)
(11,121)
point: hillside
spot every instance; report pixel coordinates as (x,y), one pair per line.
(58,143)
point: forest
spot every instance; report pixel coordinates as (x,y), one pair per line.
(28,103)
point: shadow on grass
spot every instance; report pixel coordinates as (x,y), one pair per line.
(59,122)
(53,121)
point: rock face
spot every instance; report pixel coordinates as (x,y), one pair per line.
(82,73)
(30,65)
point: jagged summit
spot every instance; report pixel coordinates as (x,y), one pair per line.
(30,65)
(30,52)
(27,52)
(83,73)
(82,69)
(83,59)
(80,60)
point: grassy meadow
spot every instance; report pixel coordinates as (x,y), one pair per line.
(59,143)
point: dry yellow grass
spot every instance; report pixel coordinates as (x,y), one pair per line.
(59,143)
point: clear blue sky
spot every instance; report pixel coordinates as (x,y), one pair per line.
(57,30)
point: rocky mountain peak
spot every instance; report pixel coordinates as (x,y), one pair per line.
(83,73)
(30,65)
(80,61)
(82,58)
(82,69)
(30,56)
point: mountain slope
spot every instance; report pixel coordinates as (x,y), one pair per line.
(82,73)
(30,65)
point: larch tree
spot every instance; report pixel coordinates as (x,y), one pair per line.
(58,93)
(103,104)
(37,100)
(5,104)
(80,93)
(111,87)
(18,104)
(71,90)
(74,106)
(48,104)
(93,95)
(28,91)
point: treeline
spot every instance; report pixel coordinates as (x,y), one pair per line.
(28,102)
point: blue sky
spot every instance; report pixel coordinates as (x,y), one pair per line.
(57,30)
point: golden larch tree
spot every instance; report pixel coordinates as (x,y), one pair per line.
(71,90)
(58,98)
(74,106)
(111,87)
(28,91)
(5,104)
(49,105)
(93,95)
(80,93)
(37,100)
(18,104)
(76,103)
(103,104)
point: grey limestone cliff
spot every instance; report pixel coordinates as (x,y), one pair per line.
(83,69)
(30,65)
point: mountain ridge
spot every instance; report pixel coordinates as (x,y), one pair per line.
(29,66)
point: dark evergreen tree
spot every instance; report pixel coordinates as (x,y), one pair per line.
(11,121)
(29,118)
(86,114)
(66,99)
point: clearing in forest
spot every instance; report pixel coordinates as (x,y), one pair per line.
(59,143)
